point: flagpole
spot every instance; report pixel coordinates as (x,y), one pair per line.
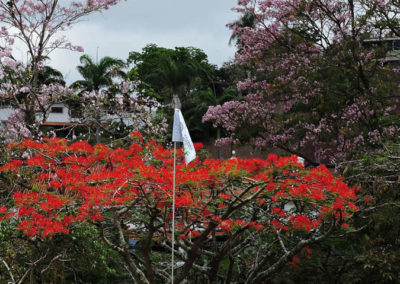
(173,217)
(180,133)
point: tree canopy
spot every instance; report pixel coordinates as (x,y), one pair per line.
(37,27)
(227,211)
(171,71)
(318,85)
(97,75)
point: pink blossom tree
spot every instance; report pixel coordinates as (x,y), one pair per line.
(37,25)
(321,83)
(106,101)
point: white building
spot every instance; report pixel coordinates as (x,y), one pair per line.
(392,47)
(59,115)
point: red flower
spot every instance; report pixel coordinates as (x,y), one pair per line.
(194,234)
(368,199)
(301,223)
(11,166)
(307,252)
(83,182)
(295,262)
(198,146)
(224,196)
(259,227)
(137,135)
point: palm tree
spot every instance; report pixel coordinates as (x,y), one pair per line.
(248,19)
(97,75)
(48,75)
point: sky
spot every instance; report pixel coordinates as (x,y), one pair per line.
(133,24)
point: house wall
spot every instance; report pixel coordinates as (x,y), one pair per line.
(6,111)
(59,117)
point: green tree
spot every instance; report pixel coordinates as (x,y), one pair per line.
(174,77)
(184,73)
(165,72)
(49,75)
(97,75)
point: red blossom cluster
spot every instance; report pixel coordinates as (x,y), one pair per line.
(78,182)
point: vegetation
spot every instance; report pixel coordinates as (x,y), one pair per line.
(227,211)
(311,78)
(97,75)
(317,85)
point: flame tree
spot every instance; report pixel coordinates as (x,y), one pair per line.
(238,220)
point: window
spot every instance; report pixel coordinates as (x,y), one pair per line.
(57,110)
(396,45)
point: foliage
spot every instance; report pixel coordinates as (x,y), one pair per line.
(101,118)
(107,101)
(171,71)
(241,219)
(372,254)
(97,75)
(62,259)
(183,72)
(319,84)
(377,258)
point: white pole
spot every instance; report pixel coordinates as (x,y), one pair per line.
(173,217)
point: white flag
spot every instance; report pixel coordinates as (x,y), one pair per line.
(180,133)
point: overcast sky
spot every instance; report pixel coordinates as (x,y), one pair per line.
(133,24)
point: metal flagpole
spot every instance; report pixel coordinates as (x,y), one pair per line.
(173,217)
(180,133)
(176,136)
